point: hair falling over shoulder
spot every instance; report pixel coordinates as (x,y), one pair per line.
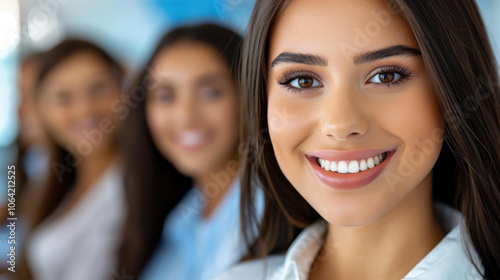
(460,63)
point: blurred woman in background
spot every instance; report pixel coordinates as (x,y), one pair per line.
(75,217)
(182,161)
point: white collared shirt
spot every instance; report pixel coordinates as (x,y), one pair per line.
(447,261)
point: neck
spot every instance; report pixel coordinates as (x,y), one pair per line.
(88,171)
(93,166)
(215,183)
(387,248)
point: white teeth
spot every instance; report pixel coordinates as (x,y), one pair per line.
(362,165)
(370,163)
(342,167)
(327,165)
(354,166)
(191,138)
(333,167)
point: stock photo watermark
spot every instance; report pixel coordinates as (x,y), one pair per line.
(11,219)
(220,180)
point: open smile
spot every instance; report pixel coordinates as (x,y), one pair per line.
(349,169)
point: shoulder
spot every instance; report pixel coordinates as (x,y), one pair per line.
(254,269)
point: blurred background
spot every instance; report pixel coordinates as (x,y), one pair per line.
(128,29)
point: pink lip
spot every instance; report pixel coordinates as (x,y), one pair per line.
(191,148)
(347,181)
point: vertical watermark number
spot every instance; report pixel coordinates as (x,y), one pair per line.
(11,218)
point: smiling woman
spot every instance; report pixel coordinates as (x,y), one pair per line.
(73,219)
(182,183)
(384,127)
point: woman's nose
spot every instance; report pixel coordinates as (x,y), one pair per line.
(343,117)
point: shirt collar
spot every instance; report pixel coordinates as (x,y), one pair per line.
(449,257)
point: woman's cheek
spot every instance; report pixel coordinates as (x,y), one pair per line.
(157,120)
(57,121)
(227,114)
(280,124)
(420,130)
(290,122)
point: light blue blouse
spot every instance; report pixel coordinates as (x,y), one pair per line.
(193,247)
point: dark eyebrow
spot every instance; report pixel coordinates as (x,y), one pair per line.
(398,50)
(301,58)
(312,59)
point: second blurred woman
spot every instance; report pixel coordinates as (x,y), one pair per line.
(182,185)
(76,216)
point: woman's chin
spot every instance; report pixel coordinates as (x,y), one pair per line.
(351,216)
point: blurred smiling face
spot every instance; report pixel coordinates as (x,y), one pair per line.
(192,110)
(351,113)
(76,101)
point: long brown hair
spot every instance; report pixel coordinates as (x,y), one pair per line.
(153,185)
(62,170)
(460,62)
(59,184)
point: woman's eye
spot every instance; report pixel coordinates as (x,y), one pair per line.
(165,97)
(304,82)
(390,76)
(162,97)
(209,94)
(385,78)
(63,99)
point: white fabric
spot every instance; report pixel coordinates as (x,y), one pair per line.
(82,243)
(447,261)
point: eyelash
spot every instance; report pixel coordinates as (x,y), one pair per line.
(285,80)
(403,72)
(289,76)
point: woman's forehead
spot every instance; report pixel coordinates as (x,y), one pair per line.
(338,30)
